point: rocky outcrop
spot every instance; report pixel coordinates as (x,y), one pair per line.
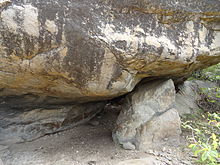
(54,52)
(148,118)
(78,50)
(17,125)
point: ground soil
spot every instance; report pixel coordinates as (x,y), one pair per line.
(88,144)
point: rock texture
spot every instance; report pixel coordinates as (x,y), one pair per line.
(56,51)
(189,94)
(1,163)
(148,118)
(18,125)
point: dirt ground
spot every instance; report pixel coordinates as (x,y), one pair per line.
(88,144)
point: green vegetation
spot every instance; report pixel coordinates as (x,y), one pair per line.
(212,74)
(204,127)
(204,130)
(210,97)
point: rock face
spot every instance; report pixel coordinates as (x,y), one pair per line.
(55,51)
(26,125)
(188,95)
(148,118)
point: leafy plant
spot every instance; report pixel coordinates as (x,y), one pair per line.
(205,127)
(210,99)
(207,152)
(204,139)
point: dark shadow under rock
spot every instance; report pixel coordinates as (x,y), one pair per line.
(17,125)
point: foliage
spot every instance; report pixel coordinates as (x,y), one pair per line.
(212,74)
(207,152)
(205,125)
(204,139)
(210,99)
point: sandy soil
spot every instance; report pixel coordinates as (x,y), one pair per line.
(88,144)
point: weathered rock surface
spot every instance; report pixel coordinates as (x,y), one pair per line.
(54,51)
(188,95)
(18,125)
(148,118)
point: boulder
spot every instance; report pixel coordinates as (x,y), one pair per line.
(78,50)
(188,95)
(148,118)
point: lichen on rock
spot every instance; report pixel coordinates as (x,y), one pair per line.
(55,52)
(102,49)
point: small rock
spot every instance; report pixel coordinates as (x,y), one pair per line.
(186,162)
(129,146)
(99,116)
(92,163)
(169,151)
(94,123)
(169,158)
(164,149)
(162,154)
(149,152)
(155,153)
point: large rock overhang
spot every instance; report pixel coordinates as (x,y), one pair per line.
(79,50)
